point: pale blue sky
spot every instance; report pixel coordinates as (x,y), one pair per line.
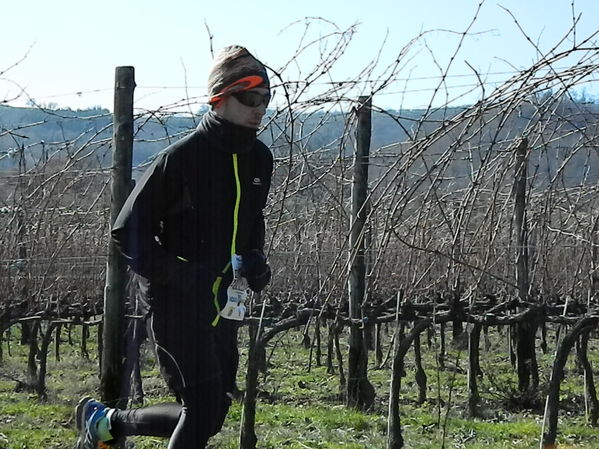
(73,45)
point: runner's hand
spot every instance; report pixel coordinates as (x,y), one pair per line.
(255,269)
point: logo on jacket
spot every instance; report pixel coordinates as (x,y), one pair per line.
(257,182)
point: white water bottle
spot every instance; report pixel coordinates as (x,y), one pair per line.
(237,292)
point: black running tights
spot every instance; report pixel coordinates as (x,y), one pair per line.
(189,424)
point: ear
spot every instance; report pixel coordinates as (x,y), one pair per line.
(218,109)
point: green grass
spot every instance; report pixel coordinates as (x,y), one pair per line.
(298,409)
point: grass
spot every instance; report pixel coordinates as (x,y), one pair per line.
(298,409)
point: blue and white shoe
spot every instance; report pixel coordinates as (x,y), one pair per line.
(93,425)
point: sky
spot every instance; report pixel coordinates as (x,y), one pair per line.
(64,52)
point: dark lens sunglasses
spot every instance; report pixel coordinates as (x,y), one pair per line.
(251,99)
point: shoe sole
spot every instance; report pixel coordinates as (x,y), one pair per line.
(80,420)
(79,411)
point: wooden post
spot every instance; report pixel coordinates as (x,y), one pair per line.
(360,393)
(520,225)
(594,281)
(116,270)
(526,330)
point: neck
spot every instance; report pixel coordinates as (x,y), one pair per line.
(227,136)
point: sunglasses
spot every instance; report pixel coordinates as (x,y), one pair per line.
(251,99)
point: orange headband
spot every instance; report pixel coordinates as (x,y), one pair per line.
(245,83)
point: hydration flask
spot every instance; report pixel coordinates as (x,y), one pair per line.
(237,292)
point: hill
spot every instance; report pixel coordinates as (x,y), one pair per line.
(31,135)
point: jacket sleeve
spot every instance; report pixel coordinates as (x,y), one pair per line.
(258,233)
(138,224)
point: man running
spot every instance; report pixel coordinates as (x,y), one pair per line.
(192,226)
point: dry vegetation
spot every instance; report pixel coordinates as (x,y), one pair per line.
(441,200)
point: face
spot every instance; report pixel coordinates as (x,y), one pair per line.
(233,110)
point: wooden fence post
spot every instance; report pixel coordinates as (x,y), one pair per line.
(360,392)
(526,330)
(116,270)
(594,280)
(520,225)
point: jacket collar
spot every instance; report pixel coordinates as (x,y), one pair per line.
(226,136)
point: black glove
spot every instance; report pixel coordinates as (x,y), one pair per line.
(255,269)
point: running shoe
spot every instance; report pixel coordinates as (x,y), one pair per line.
(92,424)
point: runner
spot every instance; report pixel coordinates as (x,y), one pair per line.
(191,230)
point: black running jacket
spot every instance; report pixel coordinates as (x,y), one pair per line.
(200,200)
